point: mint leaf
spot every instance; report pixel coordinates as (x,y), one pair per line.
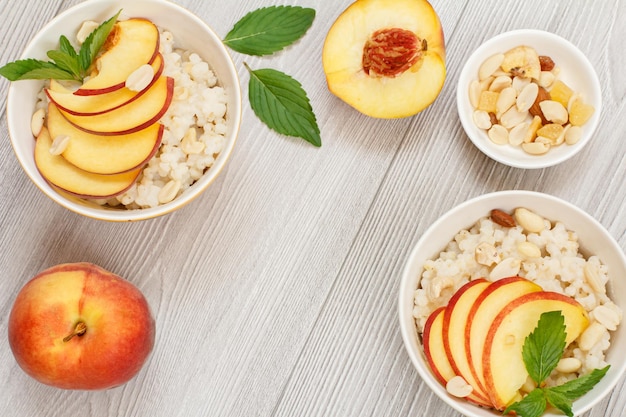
(94,42)
(544,347)
(269,29)
(66,62)
(560,401)
(66,47)
(532,405)
(281,103)
(582,385)
(33,69)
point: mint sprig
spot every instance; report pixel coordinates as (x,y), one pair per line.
(542,350)
(276,98)
(65,63)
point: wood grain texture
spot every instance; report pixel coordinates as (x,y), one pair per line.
(275,293)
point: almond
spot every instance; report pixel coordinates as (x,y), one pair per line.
(535,109)
(502,218)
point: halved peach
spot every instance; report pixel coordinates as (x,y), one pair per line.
(67,177)
(104,154)
(386,58)
(84,105)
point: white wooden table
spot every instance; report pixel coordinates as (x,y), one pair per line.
(275,292)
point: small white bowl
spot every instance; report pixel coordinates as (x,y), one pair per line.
(593,239)
(189,31)
(576,71)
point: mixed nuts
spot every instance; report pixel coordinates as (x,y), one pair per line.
(519,100)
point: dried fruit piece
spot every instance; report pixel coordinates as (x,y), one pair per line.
(487,101)
(554,132)
(546,63)
(561,92)
(580,112)
(502,218)
(522,61)
(532,130)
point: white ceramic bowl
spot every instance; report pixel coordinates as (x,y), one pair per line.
(576,71)
(593,238)
(189,31)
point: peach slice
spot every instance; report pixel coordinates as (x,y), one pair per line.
(60,173)
(433,347)
(486,307)
(130,44)
(84,105)
(104,154)
(134,116)
(386,58)
(504,368)
(454,333)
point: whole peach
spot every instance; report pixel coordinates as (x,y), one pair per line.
(78,326)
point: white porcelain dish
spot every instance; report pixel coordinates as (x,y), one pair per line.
(593,238)
(576,71)
(189,30)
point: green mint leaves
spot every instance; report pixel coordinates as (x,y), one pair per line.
(66,63)
(542,351)
(544,347)
(282,104)
(277,99)
(269,29)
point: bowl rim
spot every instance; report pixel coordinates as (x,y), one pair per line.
(492,151)
(411,274)
(90,209)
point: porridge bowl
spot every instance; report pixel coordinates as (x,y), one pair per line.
(497,106)
(576,259)
(193,132)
